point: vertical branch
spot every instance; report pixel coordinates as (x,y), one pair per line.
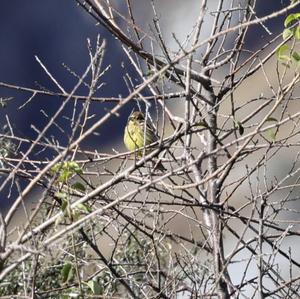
(260,245)
(216,228)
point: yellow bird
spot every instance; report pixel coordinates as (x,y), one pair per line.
(136,135)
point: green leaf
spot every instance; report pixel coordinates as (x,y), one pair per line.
(61,195)
(149,73)
(65,170)
(73,167)
(280,53)
(296,57)
(272,134)
(287,33)
(95,287)
(54,169)
(84,208)
(290,18)
(201,124)
(240,128)
(64,204)
(281,50)
(271,119)
(78,186)
(61,198)
(296,33)
(67,272)
(64,176)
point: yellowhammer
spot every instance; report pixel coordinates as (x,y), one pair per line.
(137,135)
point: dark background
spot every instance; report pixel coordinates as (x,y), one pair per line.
(56,31)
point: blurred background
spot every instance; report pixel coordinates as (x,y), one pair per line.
(57,31)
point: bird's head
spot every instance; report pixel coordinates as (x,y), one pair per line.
(136,116)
